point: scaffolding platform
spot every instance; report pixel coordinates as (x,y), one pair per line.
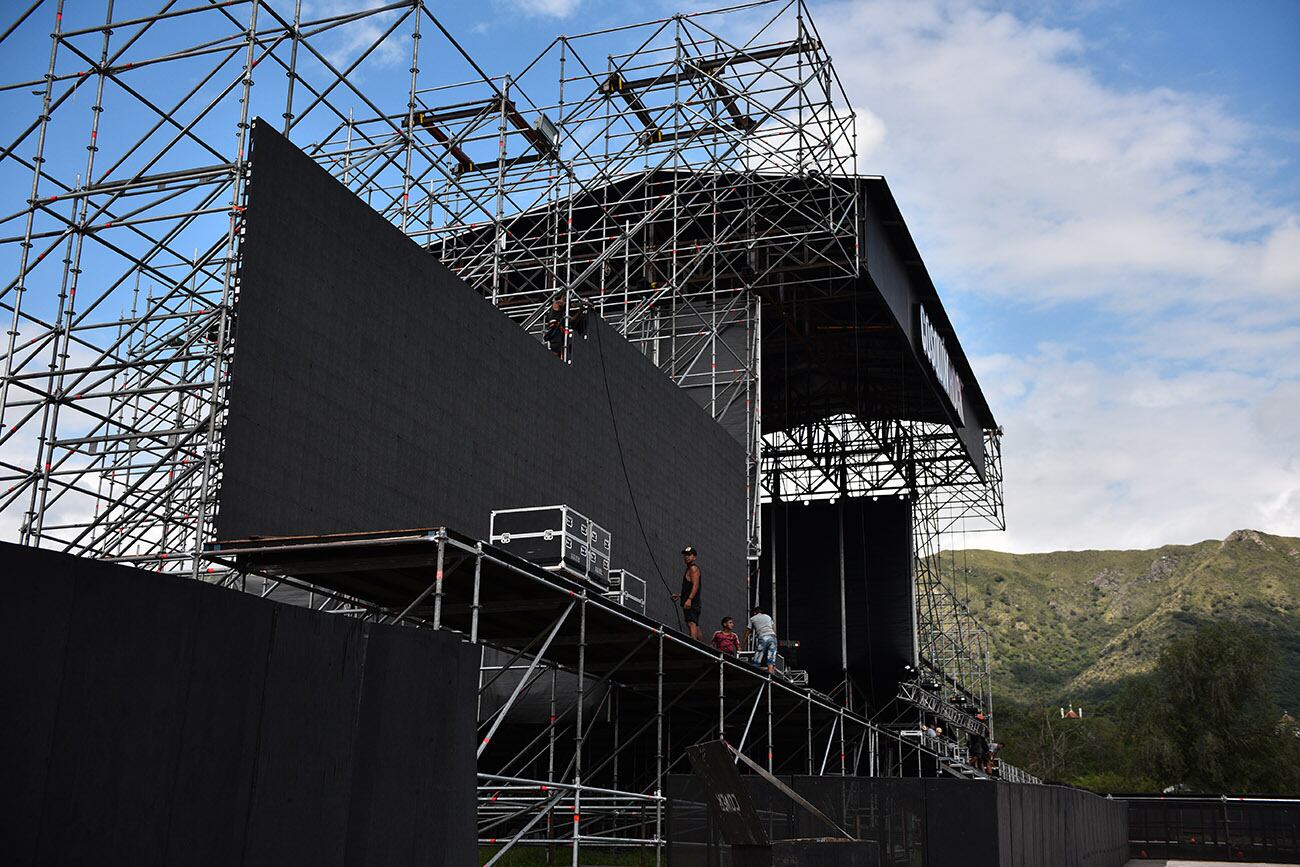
(638,691)
(445,579)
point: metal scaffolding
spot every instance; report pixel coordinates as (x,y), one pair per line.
(682,176)
(584,706)
(844,457)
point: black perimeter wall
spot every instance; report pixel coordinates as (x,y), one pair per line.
(155,720)
(802,543)
(371,389)
(918,822)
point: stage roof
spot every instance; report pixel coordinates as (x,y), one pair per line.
(851,326)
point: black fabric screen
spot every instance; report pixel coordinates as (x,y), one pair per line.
(158,720)
(371,389)
(803,547)
(1214,829)
(922,822)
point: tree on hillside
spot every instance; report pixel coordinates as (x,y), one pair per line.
(1221,721)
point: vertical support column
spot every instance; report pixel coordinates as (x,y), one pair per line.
(614,712)
(659,753)
(292,72)
(499,237)
(409,128)
(437,581)
(770,744)
(808,707)
(550,768)
(347,153)
(578,732)
(843,751)
(25,248)
(844,626)
(475,605)
(550,750)
(237,186)
(803,96)
(722,695)
(713,302)
(65,314)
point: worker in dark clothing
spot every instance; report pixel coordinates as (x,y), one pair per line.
(554,334)
(979,749)
(690,595)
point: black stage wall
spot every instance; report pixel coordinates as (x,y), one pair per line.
(371,389)
(926,823)
(804,544)
(1212,828)
(155,720)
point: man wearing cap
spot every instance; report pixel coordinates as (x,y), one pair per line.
(690,595)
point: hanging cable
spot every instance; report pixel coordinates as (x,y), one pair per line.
(627,478)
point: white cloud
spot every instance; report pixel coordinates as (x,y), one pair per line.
(346,43)
(1017,160)
(1131,459)
(546,8)
(1031,183)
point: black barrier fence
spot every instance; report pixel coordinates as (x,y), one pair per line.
(153,720)
(1215,829)
(915,822)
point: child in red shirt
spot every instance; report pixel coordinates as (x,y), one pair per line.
(726,639)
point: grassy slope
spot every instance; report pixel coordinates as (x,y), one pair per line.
(1070,625)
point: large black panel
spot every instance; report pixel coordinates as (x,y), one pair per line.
(305,752)
(392,788)
(33,641)
(158,720)
(117,737)
(868,542)
(1211,828)
(371,389)
(223,711)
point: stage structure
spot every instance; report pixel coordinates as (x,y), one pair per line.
(692,178)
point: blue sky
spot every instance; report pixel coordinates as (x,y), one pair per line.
(1106,194)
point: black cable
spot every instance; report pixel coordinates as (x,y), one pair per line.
(627,478)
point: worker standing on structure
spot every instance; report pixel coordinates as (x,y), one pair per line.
(690,595)
(979,749)
(554,336)
(764,631)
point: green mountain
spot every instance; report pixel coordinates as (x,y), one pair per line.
(1073,625)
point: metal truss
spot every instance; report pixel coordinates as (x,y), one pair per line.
(687,176)
(634,168)
(129,147)
(846,457)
